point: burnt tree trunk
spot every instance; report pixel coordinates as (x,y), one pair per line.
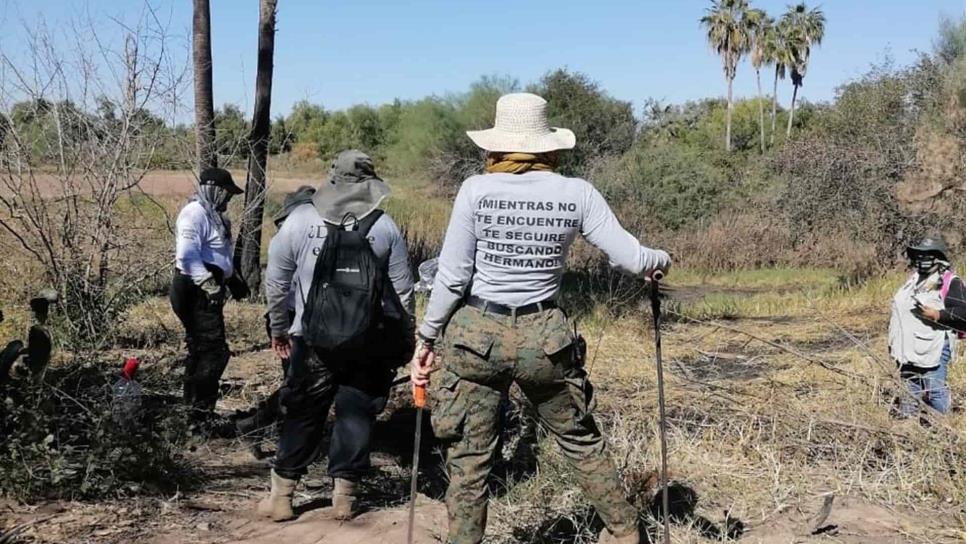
(250,236)
(204,96)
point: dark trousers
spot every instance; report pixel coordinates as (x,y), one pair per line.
(357,389)
(204,326)
(269,411)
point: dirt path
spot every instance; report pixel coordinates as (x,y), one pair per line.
(852,521)
(242,527)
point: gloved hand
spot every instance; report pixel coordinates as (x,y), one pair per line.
(214,291)
(238,288)
(661,260)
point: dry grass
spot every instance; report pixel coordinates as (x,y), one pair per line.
(779,392)
(765,423)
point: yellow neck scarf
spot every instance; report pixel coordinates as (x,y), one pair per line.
(519,163)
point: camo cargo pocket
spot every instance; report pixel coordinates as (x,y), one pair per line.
(558,335)
(448,413)
(468,342)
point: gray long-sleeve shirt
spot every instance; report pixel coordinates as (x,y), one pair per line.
(509,236)
(295,249)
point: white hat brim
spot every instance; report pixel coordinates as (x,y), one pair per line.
(495,139)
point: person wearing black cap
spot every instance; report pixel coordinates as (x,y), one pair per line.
(203,262)
(928,317)
(268,411)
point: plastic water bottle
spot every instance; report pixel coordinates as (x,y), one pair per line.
(427,275)
(127,395)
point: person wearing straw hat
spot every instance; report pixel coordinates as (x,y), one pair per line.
(928,317)
(357,384)
(493,315)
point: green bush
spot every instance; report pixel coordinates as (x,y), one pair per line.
(231,134)
(58,440)
(604,126)
(840,176)
(666,185)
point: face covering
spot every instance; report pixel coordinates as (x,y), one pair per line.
(926,265)
(214,200)
(217,196)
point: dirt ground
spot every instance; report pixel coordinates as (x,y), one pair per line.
(221,508)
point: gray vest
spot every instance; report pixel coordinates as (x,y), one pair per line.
(912,340)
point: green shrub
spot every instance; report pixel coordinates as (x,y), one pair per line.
(58,439)
(604,126)
(666,185)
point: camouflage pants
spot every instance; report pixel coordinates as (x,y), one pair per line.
(482,355)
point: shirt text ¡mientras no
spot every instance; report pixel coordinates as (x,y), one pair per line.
(509,236)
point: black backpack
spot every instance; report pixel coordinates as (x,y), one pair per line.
(344,303)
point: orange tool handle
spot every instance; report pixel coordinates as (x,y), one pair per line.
(419,396)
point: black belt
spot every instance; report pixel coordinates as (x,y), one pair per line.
(500,309)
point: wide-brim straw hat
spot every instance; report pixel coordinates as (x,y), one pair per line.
(522,127)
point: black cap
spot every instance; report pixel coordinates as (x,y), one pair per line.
(935,245)
(302,195)
(219,177)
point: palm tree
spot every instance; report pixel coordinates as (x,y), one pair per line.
(204,99)
(778,53)
(804,28)
(759,56)
(729,25)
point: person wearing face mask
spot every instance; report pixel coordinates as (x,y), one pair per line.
(928,317)
(203,265)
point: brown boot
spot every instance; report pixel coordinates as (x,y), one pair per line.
(606,537)
(343,500)
(278,505)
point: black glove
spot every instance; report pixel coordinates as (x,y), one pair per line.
(238,288)
(214,292)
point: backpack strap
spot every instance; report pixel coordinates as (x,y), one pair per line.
(367,222)
(948,277)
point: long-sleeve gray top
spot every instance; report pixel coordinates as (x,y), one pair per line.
(295,249)
(509,236)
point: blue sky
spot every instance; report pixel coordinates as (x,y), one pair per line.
(340,53)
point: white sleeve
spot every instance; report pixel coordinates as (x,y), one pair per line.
(602,229)
(191,230)
(456,263)
(400,273)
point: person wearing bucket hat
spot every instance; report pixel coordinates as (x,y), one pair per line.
(494,314)
(356,382)
(928,318)
(203,265)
